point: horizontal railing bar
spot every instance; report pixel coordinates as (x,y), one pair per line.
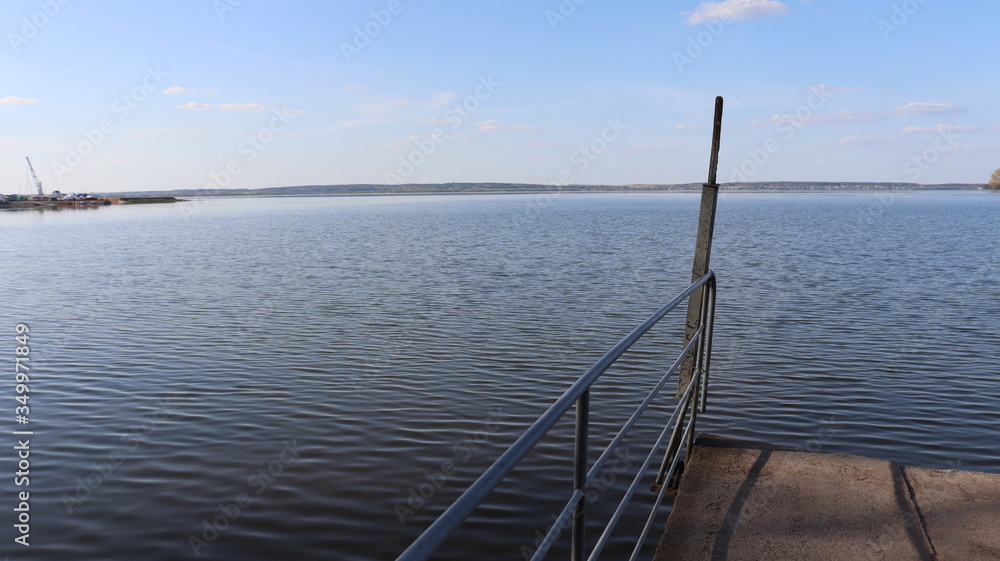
(454,515)
(642,408)
(630,492)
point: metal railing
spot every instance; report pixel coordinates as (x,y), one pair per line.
(680,429)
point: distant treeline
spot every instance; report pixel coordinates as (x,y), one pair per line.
(411,188)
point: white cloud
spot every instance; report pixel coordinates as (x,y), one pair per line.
(385,106)
(841,117)
(422,137)
(939,128)
(365,122)
(166,132)
(241,107)
(686,127)
(848,116)
(867,140)
(11,100)
(442,98)
(495,126)
(441,122)
(732,10)
(922,108)
(177,90)
(968,148)
(20,145)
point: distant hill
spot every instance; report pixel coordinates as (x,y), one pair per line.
(412,188)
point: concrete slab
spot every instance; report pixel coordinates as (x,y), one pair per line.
(743,501)
(960,511)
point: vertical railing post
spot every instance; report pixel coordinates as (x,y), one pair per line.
(579,539)
(703,250)
(709,328)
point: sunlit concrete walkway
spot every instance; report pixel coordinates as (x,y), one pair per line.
(742,501)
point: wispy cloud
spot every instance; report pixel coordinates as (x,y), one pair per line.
(971,148)
(177,90)
(165,132)
(867,140)
(496,127)
(441,122)
(384,106)
(682,126)
(11,100)
(19,145)
(846,116)
(441,98)
(940,128)
(922,108)
(379,108)
(733,10)
(849,116)
(366,121)
(423,137)
(240,107)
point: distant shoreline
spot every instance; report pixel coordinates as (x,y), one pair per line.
(524,188)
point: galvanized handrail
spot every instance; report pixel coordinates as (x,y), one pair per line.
(694,398)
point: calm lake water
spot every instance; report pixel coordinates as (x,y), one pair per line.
(314,361)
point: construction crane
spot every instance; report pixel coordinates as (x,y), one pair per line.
(38,184)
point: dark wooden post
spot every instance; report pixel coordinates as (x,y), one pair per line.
(702,250)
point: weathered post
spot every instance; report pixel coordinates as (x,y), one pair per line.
(702,250)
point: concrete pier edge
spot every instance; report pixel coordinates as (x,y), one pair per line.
(742,500)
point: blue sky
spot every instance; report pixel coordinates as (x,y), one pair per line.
(180,94)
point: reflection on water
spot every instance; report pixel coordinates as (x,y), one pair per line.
(317,378)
